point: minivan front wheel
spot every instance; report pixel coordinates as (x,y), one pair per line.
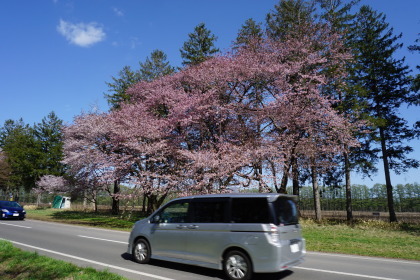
(237,266)
(141,251)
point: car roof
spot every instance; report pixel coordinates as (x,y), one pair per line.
(271,196)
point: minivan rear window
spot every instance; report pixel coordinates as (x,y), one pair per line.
(286,211)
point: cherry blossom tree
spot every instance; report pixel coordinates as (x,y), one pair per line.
(90,155)
(233,120)
(255,103)
(50,184)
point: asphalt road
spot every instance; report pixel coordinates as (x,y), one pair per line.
(106,249)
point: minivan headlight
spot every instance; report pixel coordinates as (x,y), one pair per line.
(4,210)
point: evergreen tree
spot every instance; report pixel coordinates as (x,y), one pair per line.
(249,31)
(155,67)
(290,16)
(5,171)
(119,86)
(416,81)
(152,68)
(48,134)
(415,87)
(30,152)
(385,82)
(199,47)
(340,19)
(20,146)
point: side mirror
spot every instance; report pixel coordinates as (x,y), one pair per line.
(155,219)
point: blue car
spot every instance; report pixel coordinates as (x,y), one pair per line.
(11,210)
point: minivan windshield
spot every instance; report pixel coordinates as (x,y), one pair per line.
(286,211)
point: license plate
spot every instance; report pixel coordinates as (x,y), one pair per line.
(294,248)
(15,215)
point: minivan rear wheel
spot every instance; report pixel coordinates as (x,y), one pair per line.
(237,266)
(141,251)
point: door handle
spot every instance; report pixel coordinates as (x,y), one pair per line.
(193,227)
(181,227)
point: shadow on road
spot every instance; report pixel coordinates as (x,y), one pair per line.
(216,274)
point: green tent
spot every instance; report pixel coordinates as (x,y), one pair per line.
(57,201)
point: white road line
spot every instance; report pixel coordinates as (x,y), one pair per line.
(103,239)
(364,258)
(13,225)
(344,273)
(92,261)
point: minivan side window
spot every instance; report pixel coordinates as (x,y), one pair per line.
(208,211)
(250,210)
(176,212)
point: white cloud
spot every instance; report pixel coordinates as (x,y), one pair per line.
(118,12)
(81,34)
(134,42)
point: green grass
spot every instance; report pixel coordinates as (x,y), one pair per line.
(19,265)
(102,219)
(368,238)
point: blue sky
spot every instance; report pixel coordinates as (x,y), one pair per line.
(56,55)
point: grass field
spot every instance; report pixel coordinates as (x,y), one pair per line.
(21,265)
(102,219)
(367,238)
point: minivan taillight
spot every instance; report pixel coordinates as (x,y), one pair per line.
(274,234)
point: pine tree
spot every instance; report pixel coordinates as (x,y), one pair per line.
(249,31)
(290,16)
(416,81)
(415,87)
(340,19)
(199,47)
(155,67)
(119,86)
(385,82)
(5,171)
(152,68)
(49,136)
(23,154)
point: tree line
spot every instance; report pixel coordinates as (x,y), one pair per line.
(365,199)
(310,95)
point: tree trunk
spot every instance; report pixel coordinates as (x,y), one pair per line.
(143,210)
(285,178)
(115,200)
(95,201)
(258,174)
(151,202)
(317,197)
(295,172)
(390,195)
(38,200)
(349,209)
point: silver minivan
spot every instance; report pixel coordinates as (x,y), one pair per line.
(237,233)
